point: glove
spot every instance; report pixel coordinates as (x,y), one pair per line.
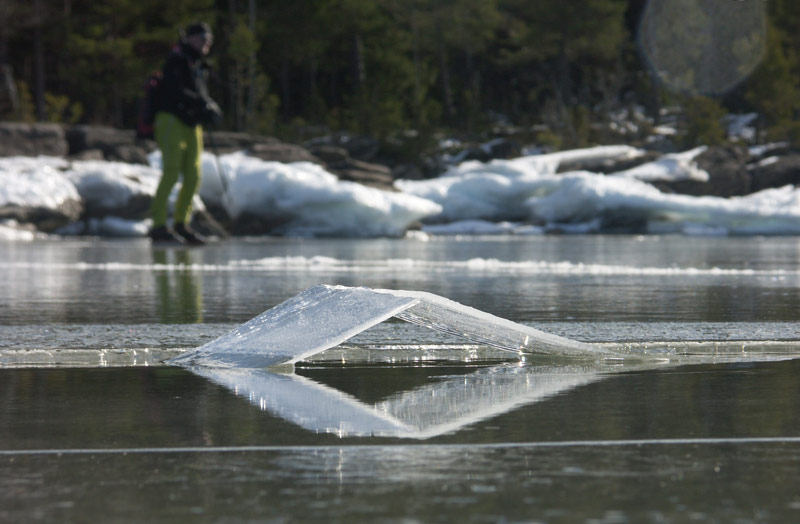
(211,114)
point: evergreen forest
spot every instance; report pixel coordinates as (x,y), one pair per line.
(560,71)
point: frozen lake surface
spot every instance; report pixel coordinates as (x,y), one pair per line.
(94,428)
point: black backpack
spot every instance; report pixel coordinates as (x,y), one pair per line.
(148,106)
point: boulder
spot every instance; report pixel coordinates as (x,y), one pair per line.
(502,148)
(282,152)
(119,145)
(331,156)
(106,139)
(359,147)
(89,154)
(251,224)
(775,171)
(128,153)
(19,139)
(46,219)
(407,172)
(728,176)
(368,174)
(38,193)
(607,164)
(137,207)
(338,161)
(222,142)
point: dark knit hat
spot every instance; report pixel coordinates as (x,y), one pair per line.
(198,28)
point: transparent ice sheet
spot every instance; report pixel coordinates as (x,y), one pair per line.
(312,321)
(323,316)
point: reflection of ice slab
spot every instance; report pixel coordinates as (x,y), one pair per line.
(447,406)
(322,317)
(437,408)
(304,402)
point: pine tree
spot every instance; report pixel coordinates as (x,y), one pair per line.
(565,44)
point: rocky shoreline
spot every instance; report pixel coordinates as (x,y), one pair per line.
(83,142)
(733,170)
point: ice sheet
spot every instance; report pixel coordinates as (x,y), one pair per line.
(322,317)
(445,315)
(312,321)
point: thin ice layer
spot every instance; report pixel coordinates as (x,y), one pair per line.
(312,321)
(324,316)
(445,315)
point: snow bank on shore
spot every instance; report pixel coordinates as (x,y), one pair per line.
(526,195)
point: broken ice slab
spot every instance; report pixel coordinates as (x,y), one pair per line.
(448,316)
(323,316)
(442,406)
(319,318)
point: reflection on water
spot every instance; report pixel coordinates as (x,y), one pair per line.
(439,407)
(113,282)
(179,288)
(717,442)
(651,484)
(166,407)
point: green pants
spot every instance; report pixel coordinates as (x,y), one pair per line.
(181,151)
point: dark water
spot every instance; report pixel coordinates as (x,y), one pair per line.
(702,440)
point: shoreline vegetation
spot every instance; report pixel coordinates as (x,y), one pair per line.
(409,73)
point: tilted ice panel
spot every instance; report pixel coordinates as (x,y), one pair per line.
(312,321)
(445,315)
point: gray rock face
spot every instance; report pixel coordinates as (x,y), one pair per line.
(32,139)
(45,219)
(222,142)
(775,172)
(115,144)
(727,170)
(281,152)
(728,176)
(337,160)
(607,165)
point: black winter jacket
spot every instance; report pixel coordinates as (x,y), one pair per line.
(184,88)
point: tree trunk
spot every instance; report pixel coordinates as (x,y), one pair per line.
(251,92)
(38,60)
(447,91)
(233,74)
(359,70)
(3,47)
(417,69)
(286,99)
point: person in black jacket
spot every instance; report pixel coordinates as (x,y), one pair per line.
(184,107)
